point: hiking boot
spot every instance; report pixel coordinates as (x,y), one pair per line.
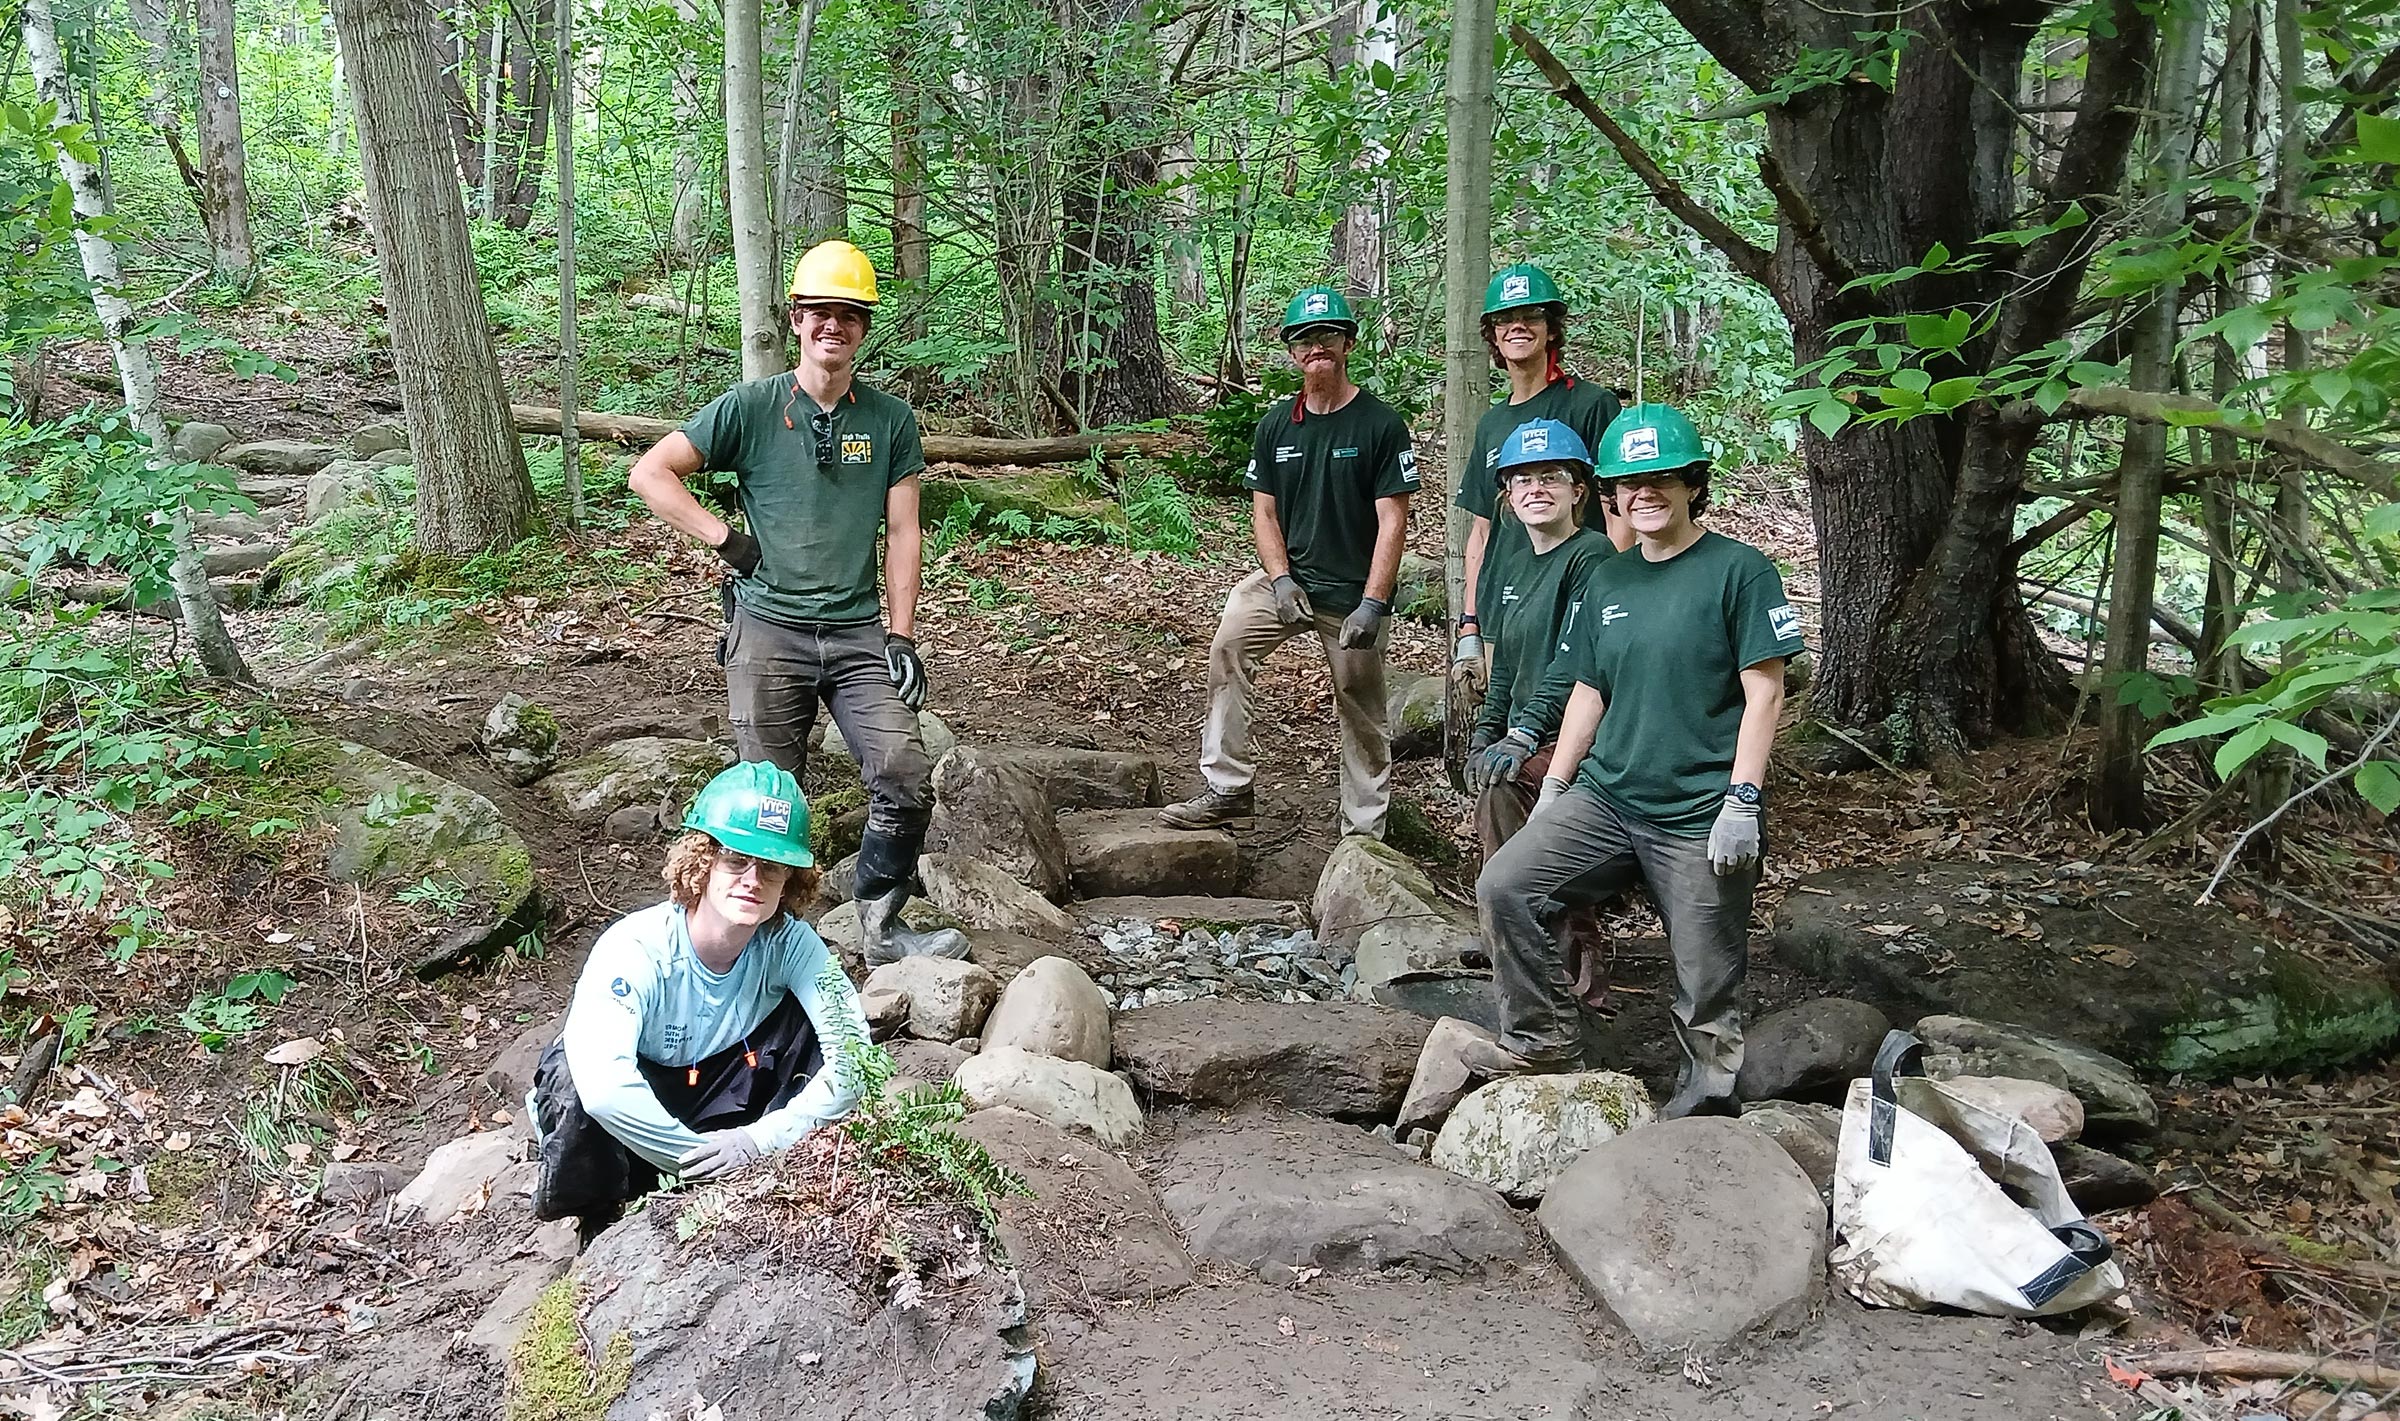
(1489,1060)
(884,938)
(1690,1098)
(1209,809)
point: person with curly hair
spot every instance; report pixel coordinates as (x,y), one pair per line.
(708,1031)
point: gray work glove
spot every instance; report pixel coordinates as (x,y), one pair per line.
(1500,763)
(1469,649)
(907,668)
(1733,842)
(1552,787)
(740,551)
(1359,628)
(719,1153)
(1291,602)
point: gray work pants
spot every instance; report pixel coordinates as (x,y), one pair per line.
(776,674)
(1246,632)
(1575,853)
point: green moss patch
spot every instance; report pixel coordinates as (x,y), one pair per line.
(551,1374)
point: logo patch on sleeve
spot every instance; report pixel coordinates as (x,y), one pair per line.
(775,816)
(1639,443)
(621,988)
(1408,466)
(858,448)
(1516,288)
(1784,622)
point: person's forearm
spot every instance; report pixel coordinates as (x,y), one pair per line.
(1576,729)
(1477,537)
(1762,708)
(1391,539)
(1266,531)
(610,1083)
(658,482)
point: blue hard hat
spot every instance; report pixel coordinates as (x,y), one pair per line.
(1544,441)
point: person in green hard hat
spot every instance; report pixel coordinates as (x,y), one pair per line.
(707,1031)
(1534,583)
(1660,772)
(1525,328)
(1331,472)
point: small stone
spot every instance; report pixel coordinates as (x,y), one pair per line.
(947,999)
(2054,1114)
(2098,1181)
(634,824)
(967,1045)
(1811,1051)
(1442,1079)
(461,1175)
(1073,1095)
(1810,1134)
(521,737)
(886,1011)
(361,1181)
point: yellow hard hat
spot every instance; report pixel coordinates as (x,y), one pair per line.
(834,271)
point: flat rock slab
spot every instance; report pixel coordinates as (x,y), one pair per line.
(2116,1105)
(1691,1233)
(1111,852)
(981,896)
(399,825)
(646,770)
(1091,1228)
(280,458)
(1072,1095)
(1314,1193)
(1191,910)
(2117,963)
(1086,779)
(1347,1059)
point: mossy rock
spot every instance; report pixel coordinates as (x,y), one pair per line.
(1423,592)
(1414,714)
(836,821)
(396,825)
(1412,831)
(551,1375)
(646,769)
(1036,495)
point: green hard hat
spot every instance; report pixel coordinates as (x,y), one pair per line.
(1522,285)
(1650,439)
(1318,306)
(757,809)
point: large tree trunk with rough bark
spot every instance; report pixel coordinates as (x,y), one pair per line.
(224,164)
(136,372)
(473,491)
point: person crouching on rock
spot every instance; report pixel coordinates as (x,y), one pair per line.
(708,1031)
(1533,582)
(1678,659)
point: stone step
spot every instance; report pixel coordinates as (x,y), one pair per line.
(1112,852)
(1192,910)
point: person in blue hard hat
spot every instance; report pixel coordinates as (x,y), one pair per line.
(1533,579)
(1660,772)
(708,1031)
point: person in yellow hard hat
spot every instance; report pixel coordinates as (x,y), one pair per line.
(821,463)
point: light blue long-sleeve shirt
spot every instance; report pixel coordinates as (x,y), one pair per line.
(645,993)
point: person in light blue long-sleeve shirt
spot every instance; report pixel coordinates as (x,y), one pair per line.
(708,1031)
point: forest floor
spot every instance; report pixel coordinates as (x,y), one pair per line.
(184,1203)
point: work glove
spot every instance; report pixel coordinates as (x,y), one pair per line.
(1733,842)
(740,551)
(1469,649)
(1500,763)
(1359,628)
(719,1153)
(1291,602)
(907,668)
(1552,787)
(1479,741)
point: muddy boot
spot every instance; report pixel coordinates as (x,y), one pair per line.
(1692,1098)
(1209,809)
(883,937)
(1489,1061)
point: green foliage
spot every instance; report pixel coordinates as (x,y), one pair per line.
(552,1375)
(1158,513)
(29,1188)
(215,1018)
(86,486)
(443,898)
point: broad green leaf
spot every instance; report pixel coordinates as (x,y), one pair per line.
(2241,750)
(2051,395)
(2309,744)
(1951,393)
(1913,381)
(2214,723)
(2378,783)
(1829,415)
(2379,142)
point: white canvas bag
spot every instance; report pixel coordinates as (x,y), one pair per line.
(1938,1202)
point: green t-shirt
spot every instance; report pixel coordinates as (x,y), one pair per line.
(1325,473)
(1585,406)
(1529,605)
(816,524)
(1666,643)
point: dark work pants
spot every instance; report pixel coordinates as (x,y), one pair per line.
(586,1171)
(1575,853)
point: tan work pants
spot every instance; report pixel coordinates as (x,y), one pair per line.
(1245,634)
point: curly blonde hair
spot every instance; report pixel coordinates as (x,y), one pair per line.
(693,855)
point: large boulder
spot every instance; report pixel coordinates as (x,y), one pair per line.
(1052,1008)
(1346,1059)
(1125,851)
(1413,715)
(521,736)
(1372,899)
(1811,1051)
(340,486)
(768,1334)
(2118,962)
(981,896)
(1073,1095)
(2116,1105)
(648,769)
(986,808)
(1304,1193)
(1073,779)
(1691,1233)
(278,458)
(947,998)
(381,437)
(1090,1228)
(1520,1133)
(397,825)
(198,440)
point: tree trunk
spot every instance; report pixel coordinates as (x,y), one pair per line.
(225,166)
(746,189)
(1466,259)
(160,107)
(525,117)
(1025,233)
(495,51)
(136,373)
(570,440)
(690,204)
(792,217)
(1370,39)
(1178,170)
(912,246)
(337,102)
(472,489)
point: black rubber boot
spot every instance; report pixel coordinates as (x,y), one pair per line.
(887,872)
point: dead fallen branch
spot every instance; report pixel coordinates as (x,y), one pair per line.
(2245,1362)
(642,430)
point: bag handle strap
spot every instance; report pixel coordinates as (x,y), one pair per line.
(1900,1055)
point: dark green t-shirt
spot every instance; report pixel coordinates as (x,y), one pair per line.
(1529,602)
(1666,643)
(1325,473)
(816,524)
(1585,406)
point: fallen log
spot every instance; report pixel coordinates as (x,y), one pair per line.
(642,430)
(2247,1362)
